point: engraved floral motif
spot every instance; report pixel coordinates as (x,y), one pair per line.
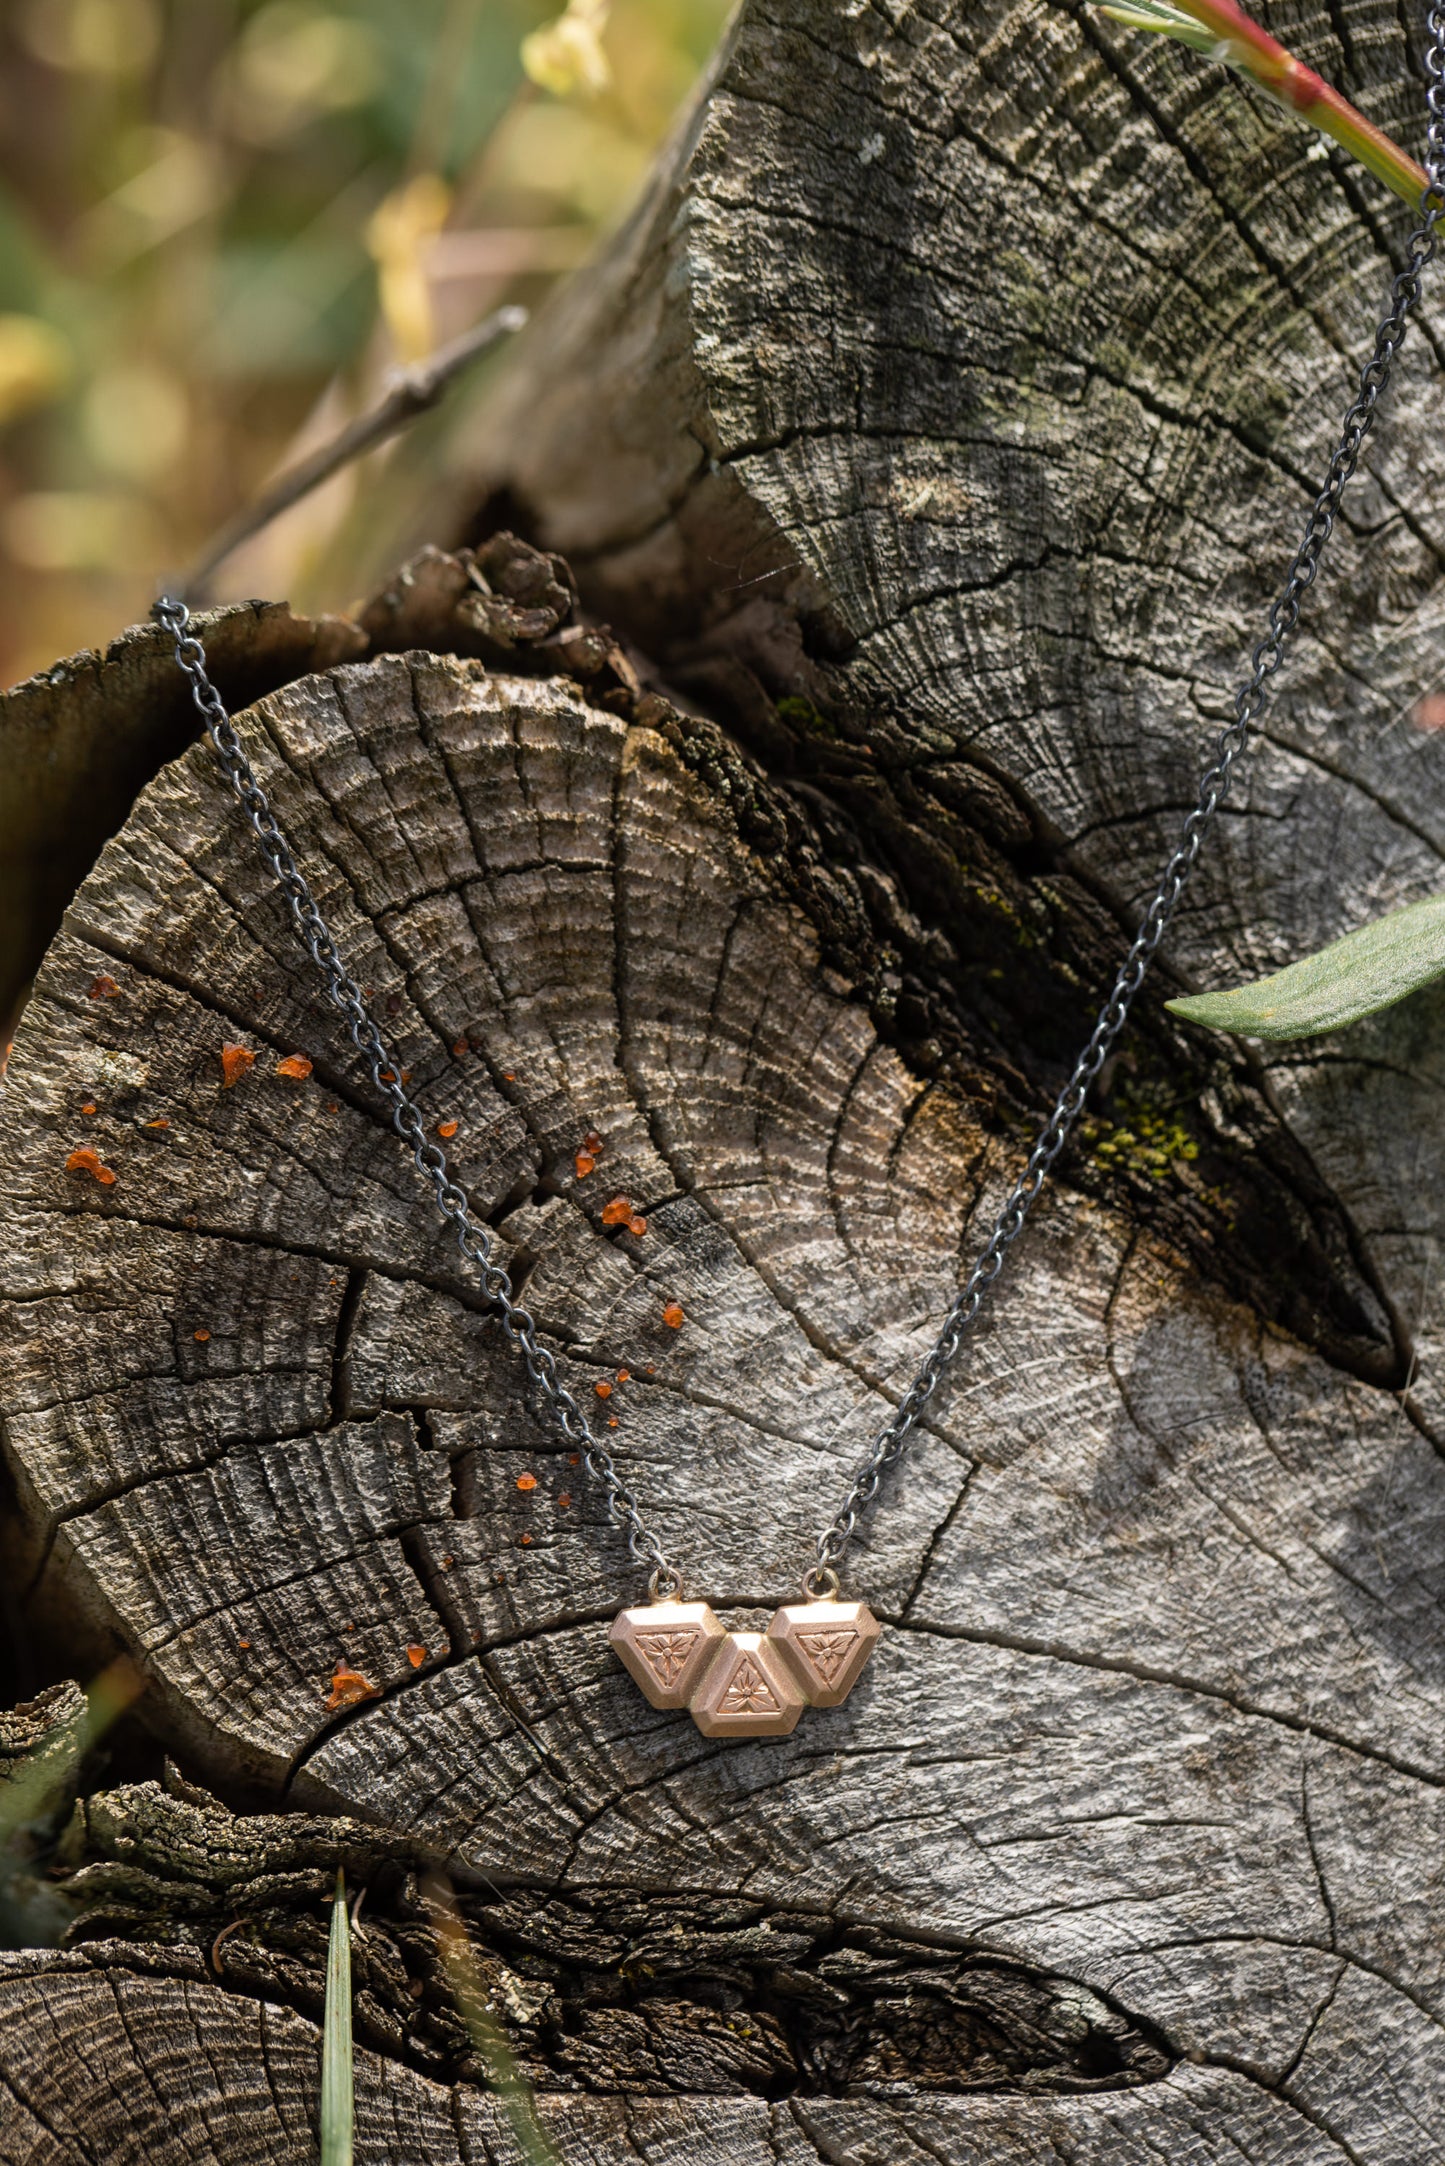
(666,1648)
(826,1644)
(748,1692)
(828,1651)
(667,1652)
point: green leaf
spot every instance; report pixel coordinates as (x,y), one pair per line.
(338,2102)
(1358,976)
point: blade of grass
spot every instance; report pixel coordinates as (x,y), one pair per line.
(1366,971)
(1168,22)
(1221,29)
(493,2048)
(338,2077)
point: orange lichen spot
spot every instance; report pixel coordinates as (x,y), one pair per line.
(624,1376)
(104,987)
(526,1541)
(574,1459)
(349,1688)
(332,1106)
(448,1128)
(618,1212)
(588,1153)
(415,1653)
(603,1389)
(160,1121)
(235,1060)
(461,1047)
(564,1501)
(386,1075)
(85,1160)
(200,1337)
(447,1563)
(673,1317)
(245,1646)
(526,1482)
(296,1066)
(612,1421)
(637,1227)
(501,1579)
(652,1368)
(89,1106)
(508,1078)
(406,1075)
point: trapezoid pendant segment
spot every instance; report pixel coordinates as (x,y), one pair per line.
(666,1648)
(826,1645)
(748,1691)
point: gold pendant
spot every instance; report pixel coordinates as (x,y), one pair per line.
(749,1690)
(828,1644)
(746,1684)
(667,1647)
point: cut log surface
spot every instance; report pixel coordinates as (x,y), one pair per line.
(990,359)
(947,417)
(1157,1710)
(78,741)
(178,2071)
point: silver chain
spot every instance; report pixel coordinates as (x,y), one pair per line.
(1214,784)
(475,1240)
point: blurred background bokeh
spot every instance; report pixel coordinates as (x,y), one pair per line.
(223,222)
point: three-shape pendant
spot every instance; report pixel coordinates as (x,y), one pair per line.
(746,1684)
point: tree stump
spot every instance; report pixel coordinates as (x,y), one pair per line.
(934,431)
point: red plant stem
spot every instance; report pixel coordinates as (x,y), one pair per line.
(1267,63)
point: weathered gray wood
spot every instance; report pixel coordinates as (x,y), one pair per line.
(609,1990)
(1000,349)
(178,2071)
(1017,350)
(1153,1716)
(78,741)
(1001,354)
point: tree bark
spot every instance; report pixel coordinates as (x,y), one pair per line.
(934,434)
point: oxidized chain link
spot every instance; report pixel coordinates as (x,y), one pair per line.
(475,1241)
(1248,704)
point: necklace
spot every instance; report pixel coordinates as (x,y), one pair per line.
(757,1684)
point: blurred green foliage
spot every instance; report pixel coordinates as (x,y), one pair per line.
(222,221)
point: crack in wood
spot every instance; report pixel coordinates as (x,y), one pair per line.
(1149,1673)
(625,1992)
